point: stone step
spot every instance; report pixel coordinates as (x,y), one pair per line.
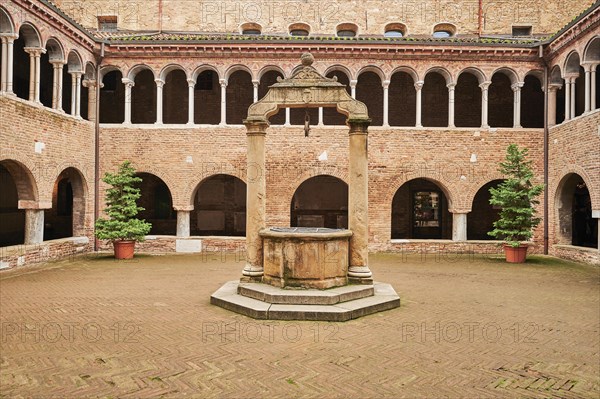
(384,298)
(275,295)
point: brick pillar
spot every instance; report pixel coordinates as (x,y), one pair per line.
(191,85)
(128,85)
(358,204)
(255,200)
(418,87)
(484,104)
(159,101)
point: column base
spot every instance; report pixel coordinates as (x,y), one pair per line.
(253,271)
(359,272)
(360,281)
(248,279)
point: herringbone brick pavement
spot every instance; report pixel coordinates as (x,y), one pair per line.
(469,327)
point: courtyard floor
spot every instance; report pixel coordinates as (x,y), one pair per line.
(467,327)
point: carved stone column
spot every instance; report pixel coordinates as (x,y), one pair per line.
(386,104)
(191,86)
(484,104)
(552,89)
(34,72)
(128,85)
(451,89)
(90,84)
(353,84)
(459,226)
(418,88)
(58,85)
(256,205)
(223,84)
(517,104)
(358,203)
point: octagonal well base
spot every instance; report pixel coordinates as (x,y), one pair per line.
(261,301)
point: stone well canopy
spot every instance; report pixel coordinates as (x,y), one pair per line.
(307,88)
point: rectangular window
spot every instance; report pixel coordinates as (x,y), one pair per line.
(107,23)
(521,30)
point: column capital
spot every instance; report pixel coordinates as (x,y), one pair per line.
(459,210)
(57,63)
(191,82)
(485,85)
(25,204)
(419,85)
(128,82)
(9,37)
(359,126)
(89,83)
(76,74)
(255,82)
(385,84)
(183,208)
(517,86)
(159,82)
(554,87)
(451,86)
(223,82)
(256,127)
(35,51)
(353,83)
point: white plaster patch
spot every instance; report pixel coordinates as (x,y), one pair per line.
(323,156)
(39,147)
(20,261)
(4,265)
(189,159)
(473,157)
(188,246)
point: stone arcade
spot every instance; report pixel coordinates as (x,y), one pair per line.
(307,260)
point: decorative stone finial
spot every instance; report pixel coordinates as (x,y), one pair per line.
(307,59)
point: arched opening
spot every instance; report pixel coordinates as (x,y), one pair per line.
(402,100)
(501,101)
(143,98)
(370,91)
(74,66)
(16,184)
(483,215)
(321,201)
(435,100)
(54,53)
(574,207)
(580,92)
(220,207)
(66,218)
(330,114)
(157,203)
(175,98)
(28,38)
(557,80)
(207,98)
(532,103)
(420,210)
(467,101)
(592,55)
(240,95)
(267,79)
(112,98)
(12,228)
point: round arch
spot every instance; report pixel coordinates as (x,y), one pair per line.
(157,201)
(66,218)
(26,185)
(55,50)
(372,68)
(473,71)
(106,69)
(170,68)
(235,68)
(483,215)
(572,64)
(74,62)
(30,35)
(89,71)
(408,70)
(508,72)
(592,50)
(270,68)
(133,71)
(442,71)
(203,68)
(6,23)
(320,201)
(339,68)
(219,206)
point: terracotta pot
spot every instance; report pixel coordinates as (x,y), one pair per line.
(515,255)
(124,249)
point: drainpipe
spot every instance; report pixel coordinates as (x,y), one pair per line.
(480,27)
(546,133)
(97,145)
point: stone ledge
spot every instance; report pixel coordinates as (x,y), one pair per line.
(383,298)
(274,295)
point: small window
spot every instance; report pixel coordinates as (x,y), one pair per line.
(299,29)
(251,28)
(444,30)
(107,23)
(346,30)
(521,30)
(393,33)
(442,33)
(299,32)
(205,81)
(395,29)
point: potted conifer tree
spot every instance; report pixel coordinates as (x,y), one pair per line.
(121,226)
(516,196)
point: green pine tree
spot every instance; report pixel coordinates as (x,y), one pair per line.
(121,207)
(517,197)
